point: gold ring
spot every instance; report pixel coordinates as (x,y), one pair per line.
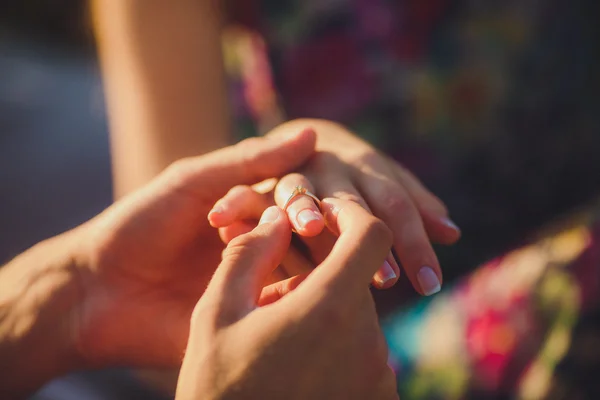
(301,191)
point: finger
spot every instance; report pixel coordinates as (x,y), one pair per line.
(393,204)
(275,292)
(248,162)
(247,262)
(439,227)
(319,246)
(302,211)
(265,186)
(295,263)
(334,184)
(237,228)
(277,275)
(363,244)
(240,203)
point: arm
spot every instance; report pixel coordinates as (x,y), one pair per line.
(37,295)
(165,83)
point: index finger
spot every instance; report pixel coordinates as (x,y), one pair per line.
(363,245)
(247,162)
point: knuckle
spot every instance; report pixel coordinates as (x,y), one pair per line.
(179,175)
(351,197)
(178,169)
(392,200)
(181,164)
(240,248)
(366,159)
(239,190)
(323,162)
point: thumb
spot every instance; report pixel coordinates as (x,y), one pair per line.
(247,162)
(247,262)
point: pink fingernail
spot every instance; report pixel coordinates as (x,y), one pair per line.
(271,214)
(449,223)
(385,274)
(429,281)
(216,210)
(306,216)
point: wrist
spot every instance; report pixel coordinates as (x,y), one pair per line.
(39,293)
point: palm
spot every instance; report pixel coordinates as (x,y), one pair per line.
(153,253)
(159,260)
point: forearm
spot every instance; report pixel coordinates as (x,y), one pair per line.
(165,83)
(38,293)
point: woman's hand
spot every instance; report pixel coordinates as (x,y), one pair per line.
(318,339)
(346,167)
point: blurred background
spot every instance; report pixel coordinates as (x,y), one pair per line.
(54,161)
(495,107)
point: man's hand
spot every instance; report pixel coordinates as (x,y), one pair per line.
(120,289)
(317,338)
(154,253)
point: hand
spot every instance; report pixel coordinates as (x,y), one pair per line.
(318,339)
(150,256)
(348,168)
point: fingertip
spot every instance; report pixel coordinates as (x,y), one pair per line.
(330,206)
(446,232)
(440,228)
(217,217)
(429,281)
(270,215)
(387,275)
(310,223)
(451,238)
(448,223)
(276,217)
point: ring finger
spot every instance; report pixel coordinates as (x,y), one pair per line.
(334,185)
(303,212)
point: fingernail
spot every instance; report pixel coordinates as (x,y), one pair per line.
(385,273)
(429,281)
(449,223)
(306,216)
(216,210)
(271,214)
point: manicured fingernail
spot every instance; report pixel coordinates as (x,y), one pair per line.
(385,273)
(270,215)
(449,223)
(429,281)
(216,210)
(306,216)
